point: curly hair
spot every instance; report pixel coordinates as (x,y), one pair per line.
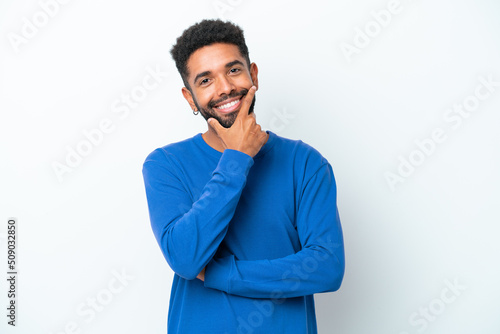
(202,34)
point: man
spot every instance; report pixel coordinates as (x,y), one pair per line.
(246,219)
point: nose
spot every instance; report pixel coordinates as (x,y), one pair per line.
(225,86)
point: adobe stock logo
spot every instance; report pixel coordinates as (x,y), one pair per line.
(30,28)
(430,312)
(122,107)
(296,275)
(280,119)
(95,304)
(363,37)
(455,117)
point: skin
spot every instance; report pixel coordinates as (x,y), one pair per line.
(219,82)
(218,73)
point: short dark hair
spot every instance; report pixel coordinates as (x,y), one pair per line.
(202,34)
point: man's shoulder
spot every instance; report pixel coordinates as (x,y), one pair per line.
(300,150)
(172,150)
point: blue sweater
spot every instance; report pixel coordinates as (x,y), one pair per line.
(266,228)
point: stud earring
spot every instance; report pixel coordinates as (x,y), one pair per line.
(195,112)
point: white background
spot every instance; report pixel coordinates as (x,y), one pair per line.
(363,113)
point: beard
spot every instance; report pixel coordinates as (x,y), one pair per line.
(226,120)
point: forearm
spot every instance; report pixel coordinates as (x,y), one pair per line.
(188,232)
(316,268)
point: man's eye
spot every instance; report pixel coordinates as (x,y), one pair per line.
(204,82)
(234,70)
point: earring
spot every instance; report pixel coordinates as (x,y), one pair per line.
(195,112)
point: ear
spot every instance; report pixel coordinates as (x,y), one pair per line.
(254,71)
(189,97)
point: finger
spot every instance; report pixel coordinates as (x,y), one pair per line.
(263,137)
(215,125)
(247,102)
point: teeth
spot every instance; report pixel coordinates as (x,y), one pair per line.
(228,105)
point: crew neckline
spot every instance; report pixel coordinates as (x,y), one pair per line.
(213,152)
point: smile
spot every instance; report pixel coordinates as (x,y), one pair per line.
(230,106)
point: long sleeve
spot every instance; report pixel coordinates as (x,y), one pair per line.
(317,267)
(188,230)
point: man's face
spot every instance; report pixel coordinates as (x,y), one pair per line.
(219,78)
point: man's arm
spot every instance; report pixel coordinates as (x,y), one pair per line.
(188,232)
(317,267)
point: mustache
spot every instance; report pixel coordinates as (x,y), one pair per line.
(242,92)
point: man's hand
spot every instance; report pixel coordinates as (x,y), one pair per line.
(201,275)
(245,135)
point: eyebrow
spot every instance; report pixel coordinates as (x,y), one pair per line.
(230,64)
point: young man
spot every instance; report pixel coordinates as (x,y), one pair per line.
(246,219)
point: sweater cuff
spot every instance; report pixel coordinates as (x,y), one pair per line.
(235,162)
(218,273)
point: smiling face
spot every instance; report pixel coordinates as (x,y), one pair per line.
(219,78)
